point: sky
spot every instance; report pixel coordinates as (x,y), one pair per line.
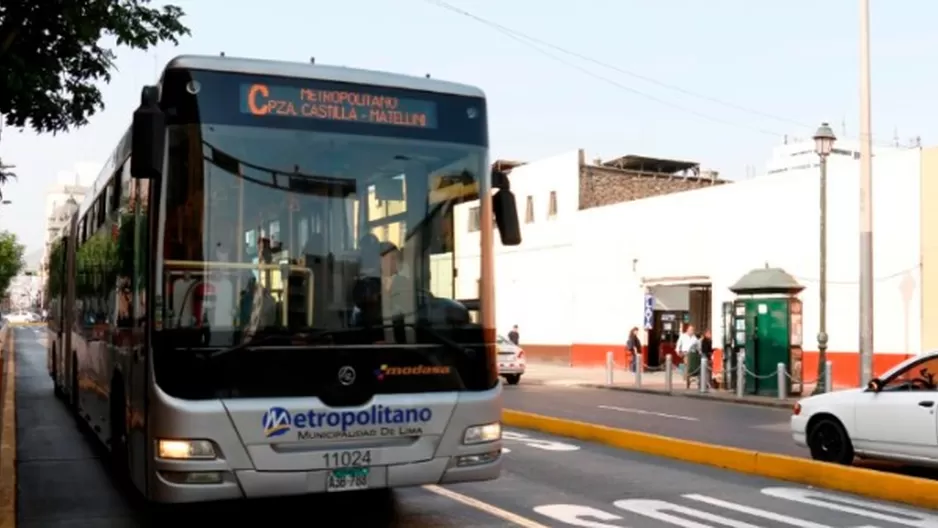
(718,82)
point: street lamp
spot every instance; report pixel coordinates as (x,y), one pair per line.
(823,144)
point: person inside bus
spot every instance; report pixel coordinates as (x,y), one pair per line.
(366,289)
(397,288)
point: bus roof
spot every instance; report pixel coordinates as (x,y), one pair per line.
(321,72)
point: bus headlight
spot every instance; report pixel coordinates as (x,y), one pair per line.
(480,434)
(185,449)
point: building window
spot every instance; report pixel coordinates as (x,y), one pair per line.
(475,219)
(529,211)
(552,206)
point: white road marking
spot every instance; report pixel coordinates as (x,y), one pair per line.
(495,511)
(756,512)
(547,445)
(862,508)
(649,413)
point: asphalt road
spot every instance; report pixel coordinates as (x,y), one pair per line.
(759,428)
(548,481)
(763,429)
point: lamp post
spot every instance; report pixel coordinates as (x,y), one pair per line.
(823,144)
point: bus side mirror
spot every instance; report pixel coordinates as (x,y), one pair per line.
(506,217)
(147,136)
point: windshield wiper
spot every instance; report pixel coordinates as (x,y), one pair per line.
(310,335)
(305,334)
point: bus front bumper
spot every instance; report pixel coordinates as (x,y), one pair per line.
(250,484)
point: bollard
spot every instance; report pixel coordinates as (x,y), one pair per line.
(639,367)
(828,376)
(668,373)
(740,374)
(703,377)
(610,367)
(782,386)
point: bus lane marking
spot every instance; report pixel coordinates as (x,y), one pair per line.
(537,443)
(648,413)
(490,509)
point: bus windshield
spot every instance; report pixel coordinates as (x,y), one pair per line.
(268,228)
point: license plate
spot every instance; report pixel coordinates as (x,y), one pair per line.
(347,479)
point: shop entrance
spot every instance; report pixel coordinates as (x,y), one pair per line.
(676,306)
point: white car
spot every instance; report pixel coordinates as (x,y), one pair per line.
(894,418)
(21,317)
(511,360)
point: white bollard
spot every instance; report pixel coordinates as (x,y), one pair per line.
(740,374)
(639,367)
(703,377)
(782,386)
(610,367)
(668,373)
(828,376)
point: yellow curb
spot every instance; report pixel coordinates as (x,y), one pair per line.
(8,446)
(859,481)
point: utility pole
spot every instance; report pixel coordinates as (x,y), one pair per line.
(866,202)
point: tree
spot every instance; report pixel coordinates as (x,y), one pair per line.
(6,174)
(11,259)
(51,55)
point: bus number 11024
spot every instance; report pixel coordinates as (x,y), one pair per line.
(344,459)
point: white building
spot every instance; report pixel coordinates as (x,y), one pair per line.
(62,201)
(577,283)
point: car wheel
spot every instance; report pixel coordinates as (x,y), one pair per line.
(829,442)
(513,379)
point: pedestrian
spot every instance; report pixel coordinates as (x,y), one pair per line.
(686,344)
(634,347)
(513,336)
(706,350)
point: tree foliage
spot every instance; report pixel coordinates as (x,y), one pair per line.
(6,174)
(11,259)
(51,55)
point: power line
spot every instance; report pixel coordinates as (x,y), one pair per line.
(538,45)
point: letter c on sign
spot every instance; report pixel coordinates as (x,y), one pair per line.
(258,90)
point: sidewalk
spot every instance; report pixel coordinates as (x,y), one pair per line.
(652,382)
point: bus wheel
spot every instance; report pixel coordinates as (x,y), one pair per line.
(118,421)
(513,379)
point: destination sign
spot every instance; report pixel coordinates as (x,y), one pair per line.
(356,106)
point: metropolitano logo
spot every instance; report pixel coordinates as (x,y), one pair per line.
(276,422)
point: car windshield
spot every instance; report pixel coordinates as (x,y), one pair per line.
(269,228)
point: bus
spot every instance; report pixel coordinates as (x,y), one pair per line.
(242,305)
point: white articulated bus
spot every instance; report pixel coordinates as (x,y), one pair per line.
(242,306)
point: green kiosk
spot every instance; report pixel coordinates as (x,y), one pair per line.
(765,322)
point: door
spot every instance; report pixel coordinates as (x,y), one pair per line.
(907,402)
(137,379)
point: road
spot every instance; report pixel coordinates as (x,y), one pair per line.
(548,481)
(759,428)
(722,423)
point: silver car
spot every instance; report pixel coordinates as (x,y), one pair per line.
(511,360)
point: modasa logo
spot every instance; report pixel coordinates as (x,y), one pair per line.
(311,424)
(418,370)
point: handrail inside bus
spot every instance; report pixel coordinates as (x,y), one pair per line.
(205,265)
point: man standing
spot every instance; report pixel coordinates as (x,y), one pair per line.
(513,336)
(685,345)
